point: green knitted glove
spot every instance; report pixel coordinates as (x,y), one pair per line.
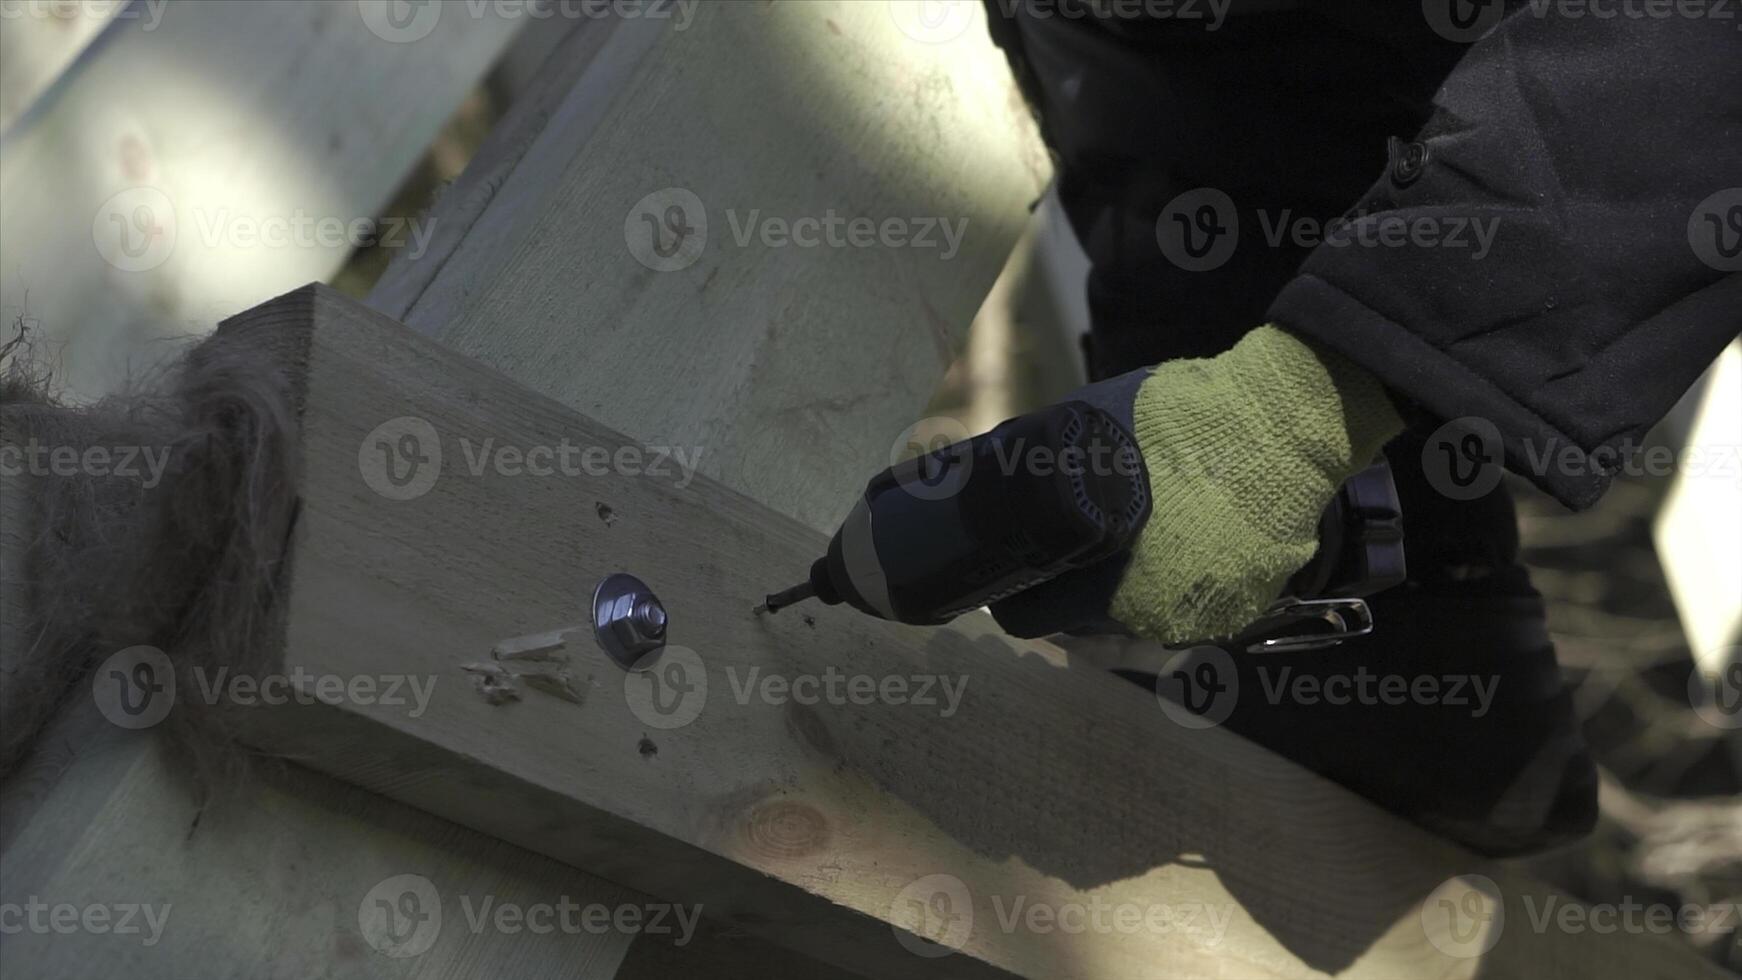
(1245,451)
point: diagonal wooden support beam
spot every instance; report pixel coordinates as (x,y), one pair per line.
(838,823)
(748,338)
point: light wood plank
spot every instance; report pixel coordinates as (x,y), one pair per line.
(174,177)
(753,111)
(272,883)
(267,884)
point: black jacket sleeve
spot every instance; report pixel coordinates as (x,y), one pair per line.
(1604,158)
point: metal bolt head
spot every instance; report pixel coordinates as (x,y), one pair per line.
(628,621)
(650,617)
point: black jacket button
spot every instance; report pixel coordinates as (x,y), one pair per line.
(1408,160)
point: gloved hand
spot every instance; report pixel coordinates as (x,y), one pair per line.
(1244,452)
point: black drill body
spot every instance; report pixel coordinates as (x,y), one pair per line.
(967,524)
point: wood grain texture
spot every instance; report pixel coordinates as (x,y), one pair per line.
(820,110)
(819,824)
(174,176)
(270,884)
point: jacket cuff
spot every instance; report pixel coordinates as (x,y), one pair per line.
(1442,386)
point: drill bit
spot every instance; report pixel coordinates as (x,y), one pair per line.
(780,600)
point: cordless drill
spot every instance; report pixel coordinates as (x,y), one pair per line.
(967,524)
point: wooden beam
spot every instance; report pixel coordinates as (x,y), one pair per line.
(746,344)
(272,883)
(176,174)
(823,824)
(274,878)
